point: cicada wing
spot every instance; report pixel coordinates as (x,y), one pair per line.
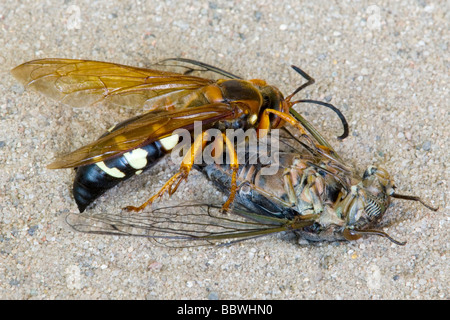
(143,130)
(310,147)
(81,83)
(194,68)
(179,225)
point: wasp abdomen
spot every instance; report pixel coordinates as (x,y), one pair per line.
(93,180)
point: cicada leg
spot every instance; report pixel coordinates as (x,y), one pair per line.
(289,187)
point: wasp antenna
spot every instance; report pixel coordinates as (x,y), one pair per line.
(203,65)
(310,80)
(336,110)
(414,198)
(378,233)
(303,73)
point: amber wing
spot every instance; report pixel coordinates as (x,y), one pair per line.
(84,83)
(144,130)
(81,83)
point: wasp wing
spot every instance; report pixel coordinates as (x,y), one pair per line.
(82,83)
(194,67)
(145,129)
(185,225)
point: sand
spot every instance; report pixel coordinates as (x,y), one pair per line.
(386,66)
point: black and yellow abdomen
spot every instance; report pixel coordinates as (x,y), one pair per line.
(91,181)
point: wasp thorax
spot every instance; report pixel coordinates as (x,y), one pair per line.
(272,97)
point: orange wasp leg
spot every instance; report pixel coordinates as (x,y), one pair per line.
(173,183)
(264,126)
(265,122)
(234,165)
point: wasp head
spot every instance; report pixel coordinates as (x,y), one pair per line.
(273,99)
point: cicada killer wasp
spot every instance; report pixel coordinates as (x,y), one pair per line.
(171,101)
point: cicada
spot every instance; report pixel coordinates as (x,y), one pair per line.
(168,101)
(312,193)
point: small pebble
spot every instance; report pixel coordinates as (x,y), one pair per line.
(213,296)
(426,145)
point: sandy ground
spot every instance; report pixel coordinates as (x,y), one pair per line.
(387,68)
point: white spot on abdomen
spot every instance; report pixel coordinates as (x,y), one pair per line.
(137,158)
(169,142)
(114,172)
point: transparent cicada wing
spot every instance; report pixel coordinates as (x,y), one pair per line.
(185,225)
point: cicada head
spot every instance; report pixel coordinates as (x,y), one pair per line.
(377,181)
(372,197)
(367,202)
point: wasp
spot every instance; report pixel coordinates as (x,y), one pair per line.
(313,194)
(169,101)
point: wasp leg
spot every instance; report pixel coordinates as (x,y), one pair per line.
(172,184)
(234,165)
(178,177)
(265,122)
